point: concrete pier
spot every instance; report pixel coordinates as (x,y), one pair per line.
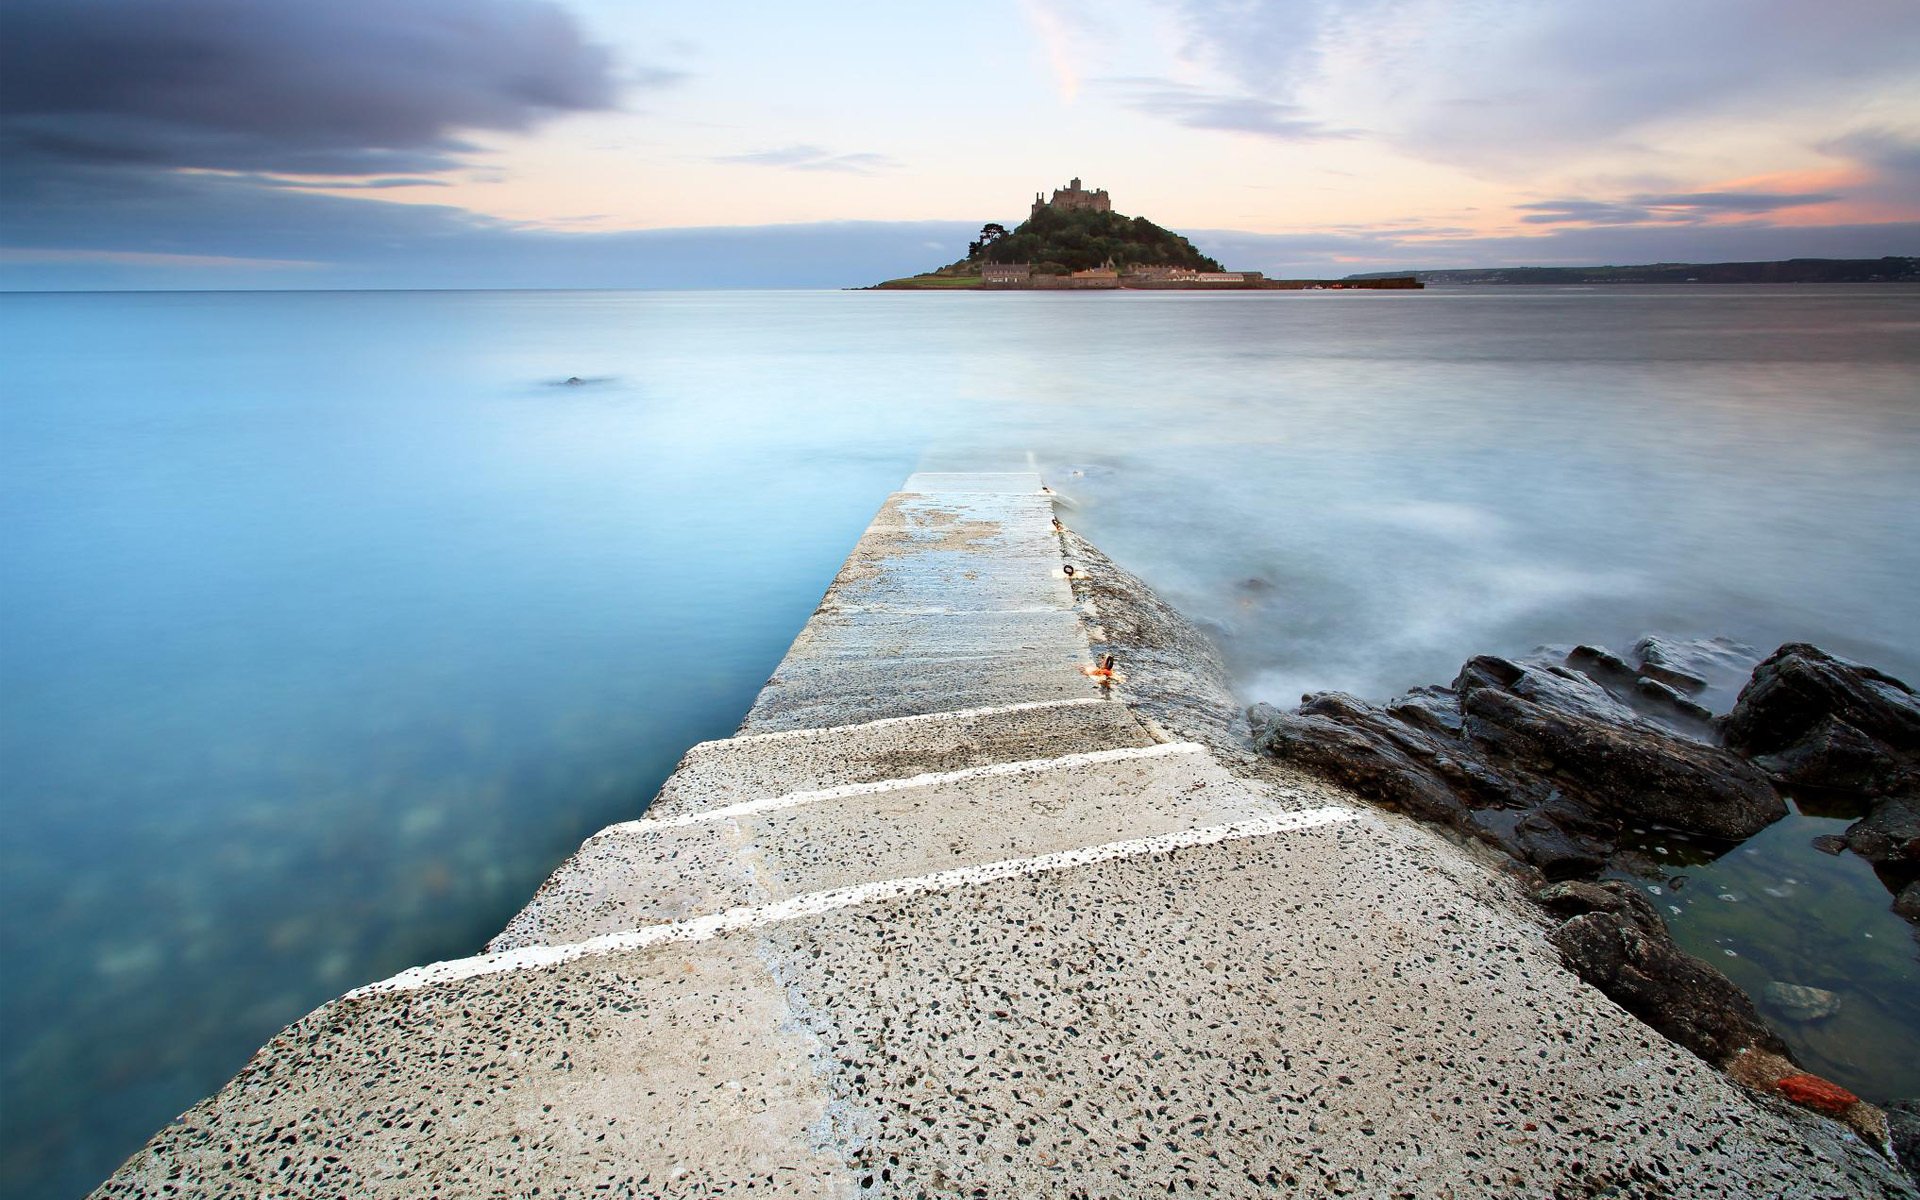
(950,917)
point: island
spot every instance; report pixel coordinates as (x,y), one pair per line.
(1075,241)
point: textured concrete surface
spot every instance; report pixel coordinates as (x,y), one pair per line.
(667,869)
(719,773)
(954,598)
(949,919)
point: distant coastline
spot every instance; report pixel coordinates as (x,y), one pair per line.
(1891,269)
(1094,281)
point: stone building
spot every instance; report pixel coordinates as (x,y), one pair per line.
(1074,198)
(1005,274)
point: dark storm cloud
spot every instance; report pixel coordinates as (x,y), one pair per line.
(811,158)
(1671,208)
(330,87)
(1198,108)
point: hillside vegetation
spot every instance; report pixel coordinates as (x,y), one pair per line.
(1058,242)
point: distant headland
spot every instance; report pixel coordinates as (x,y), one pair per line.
(1076,242)
(1892,269)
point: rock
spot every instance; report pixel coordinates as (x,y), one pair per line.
(1821,721)
(1829,843)
(1772,1073)
(1568,733)
(1817,1093)
(1907,902)
(1365,748)
(1539,758)
(1664,699)
(1903,1132)
(1690,666)
(1601,666)
(1620,946)
(1889,836)
(574,381)
(1800,1002)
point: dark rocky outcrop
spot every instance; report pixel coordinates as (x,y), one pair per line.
(1817,721)
(1612,938)
(1829,727)
(1557,760)
(1553,761)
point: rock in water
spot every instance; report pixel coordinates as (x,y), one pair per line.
(1889,836)
(1814,720)
(1569,733)
(1614,940)
(1800,1002)
(1694,666)
(1545,759)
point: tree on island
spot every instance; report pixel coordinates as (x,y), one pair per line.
(990,233)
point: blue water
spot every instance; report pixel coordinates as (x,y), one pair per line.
(332,621)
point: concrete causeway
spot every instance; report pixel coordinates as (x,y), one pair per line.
(949,917)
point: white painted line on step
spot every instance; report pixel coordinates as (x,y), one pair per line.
(988,710)
(1029,766)
(750,916)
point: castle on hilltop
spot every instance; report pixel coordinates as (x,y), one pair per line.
(1074,198)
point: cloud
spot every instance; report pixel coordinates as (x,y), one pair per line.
(1198,108)
(1680,208)
(345,87)
(811,158)
(1513,85)
(214,230)
(1894,152)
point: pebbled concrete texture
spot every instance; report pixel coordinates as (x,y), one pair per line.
(952,599)
(714,774)
(655,870)
(950,919)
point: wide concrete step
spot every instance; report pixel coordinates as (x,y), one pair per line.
(801,760)
(666,869)
(853,667)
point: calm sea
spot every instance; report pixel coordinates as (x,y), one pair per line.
(333,621)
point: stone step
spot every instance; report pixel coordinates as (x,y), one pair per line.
(845,669)
(666,869)
(802,760)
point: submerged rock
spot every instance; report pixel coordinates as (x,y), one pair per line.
(1613,939)
(1800,1002)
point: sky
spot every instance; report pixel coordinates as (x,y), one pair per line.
(616,143)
